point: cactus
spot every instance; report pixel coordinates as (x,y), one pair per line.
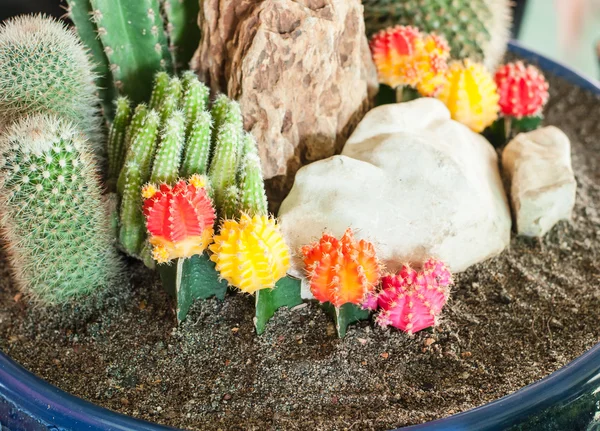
(412,300)
(251,253)
(80,12)
(197,149)
(45,69)
(523,90)
(476,29)
(195,99)
(224,164)
(179,219)
(168,155)
(182,28)
(252,197)
(342,273)
(131,41)
(406,57)
(134,41)
(470,94)
(54,217)
(116,148)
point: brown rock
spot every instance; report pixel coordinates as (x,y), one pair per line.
(301,70)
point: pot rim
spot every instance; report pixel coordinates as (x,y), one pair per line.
(29,403)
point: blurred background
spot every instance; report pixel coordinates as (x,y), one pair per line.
(564,30)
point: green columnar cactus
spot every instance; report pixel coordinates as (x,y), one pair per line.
(197,148)
(116,139)
(52,211)
(182,28)
(80,11)
(161,83)
(171,99)
(132,233)
(195,99)
(133,38)
(141,149)
(168,156)
(45,69)
(224,164)
(252,197)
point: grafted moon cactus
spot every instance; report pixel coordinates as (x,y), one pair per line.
(251,253)
(412,300)
(523,90)
(179,219)
(341,271)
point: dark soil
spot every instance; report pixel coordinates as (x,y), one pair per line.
(511,321)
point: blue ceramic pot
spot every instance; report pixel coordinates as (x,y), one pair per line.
(568,399)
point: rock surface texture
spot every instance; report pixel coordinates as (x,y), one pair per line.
(411,180)
(301,69)
(538,168)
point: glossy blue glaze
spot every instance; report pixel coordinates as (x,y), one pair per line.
(566,400)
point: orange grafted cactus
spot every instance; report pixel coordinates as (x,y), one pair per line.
(341,271)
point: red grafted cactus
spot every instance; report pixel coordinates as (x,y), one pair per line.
(412,300)
(523,90)
(179,219)
(341,271)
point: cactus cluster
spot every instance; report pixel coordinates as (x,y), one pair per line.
(176,136)
(475,29)
(45,70)
(131,41)
(52,211)
(412,300)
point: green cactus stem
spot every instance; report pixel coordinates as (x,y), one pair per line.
(195,99)
(80,11)
(252,196)
(132,233)
(46,69)
(136,122)
(197,151)
(168,155)
(223,168)
(54,217)
(230,208)
(161,83)
(345,315)
(133,37)
(116,139)
(190,279)
(183,30)
(141,150)
(171,99)
(286,293)
(226,111)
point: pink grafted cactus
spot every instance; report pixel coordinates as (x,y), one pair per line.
(412,300)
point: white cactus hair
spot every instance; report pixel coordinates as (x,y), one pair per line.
(500,32)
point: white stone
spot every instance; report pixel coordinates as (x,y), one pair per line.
(412,181)
(538,168)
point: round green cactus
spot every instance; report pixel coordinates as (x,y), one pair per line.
(54,216)
(476,29)
(45,69)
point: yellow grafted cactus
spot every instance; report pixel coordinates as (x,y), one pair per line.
(251,253)
(470,94)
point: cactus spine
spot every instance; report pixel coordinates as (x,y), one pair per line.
(52,211)
(45,69)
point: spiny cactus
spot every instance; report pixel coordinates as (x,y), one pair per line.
(172,139)
(476,29)
(190,216)
(131,41)
(116,138)
(406,57)
(412,300)
(523,90)
(45,69)
(251,253)
(469,92)
(341,271)
(52,211)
